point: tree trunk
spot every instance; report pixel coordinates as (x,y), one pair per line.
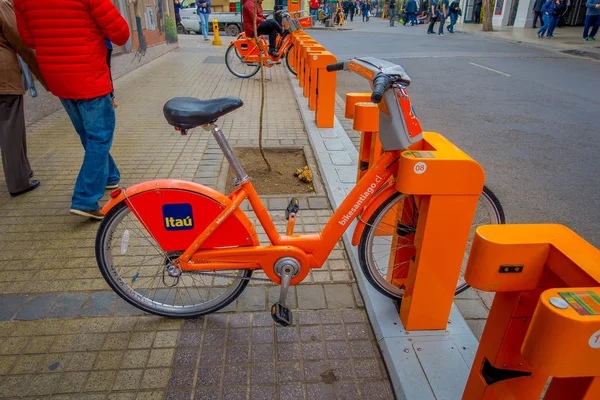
(262,91)
(488,13)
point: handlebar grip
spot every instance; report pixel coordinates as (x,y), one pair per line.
(378,91)
(335,67)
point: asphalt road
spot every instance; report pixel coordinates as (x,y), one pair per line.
(531,117)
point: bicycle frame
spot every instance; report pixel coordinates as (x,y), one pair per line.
(311,250)
(247,48)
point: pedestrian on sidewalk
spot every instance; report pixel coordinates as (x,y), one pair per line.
(352,10)
(366,9)
(433,16)
(411,11)
(314,10)
(392,10)
(73,63)
(442,15)
(477,11)
(203,10)
(13,140)
(454,14)
(547,16)
(592,19)
(177,8)
(559,8)
(537,12)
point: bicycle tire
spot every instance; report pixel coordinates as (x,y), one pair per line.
(107,239)
(287,61)
(232,70)
(365,248)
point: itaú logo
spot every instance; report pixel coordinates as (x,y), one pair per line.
(178,217)
(363,197)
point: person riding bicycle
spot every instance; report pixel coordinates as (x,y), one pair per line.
(264,26)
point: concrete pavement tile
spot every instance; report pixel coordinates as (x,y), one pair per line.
(68,305)
(235,375)
(161,358)
(361,349)
(471,309)
(339,296)
(39,344)
(116,341)
(331,317)
(41,385)
(313,351)
(291,392)
(135,359)
(334,332)
(193,323)
(253,298)
(262,335)
(152,395)
(355,315)
(367,368)
(206,393)
(289,372)
(27,364)
(12,386)
(214,337)
(311,333)
(6,363)
(311,297)
(123,308)
(287,334)
(288,352)
(82,361)
(13,345)
(9,305)
(181,378)
(262,374)
(262,319)
(357,331)
(211,355)
(337,350)
(209,376)
(322,391)
(314,369)
(237,354)
(262,392)
(235,393)
(179,395)
(377,390)
(108,360)
(238,336)
(141,340)
(166,339)
(187,357)
(263,353)
(37,307)
(309,318)
(191,338)
(342,369)
(99,381)
(71,382)
(155,378)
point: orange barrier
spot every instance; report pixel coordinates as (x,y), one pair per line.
(545,318)
(366,120)
(325,88)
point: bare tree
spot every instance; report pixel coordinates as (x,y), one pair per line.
(488,13)
(262,90)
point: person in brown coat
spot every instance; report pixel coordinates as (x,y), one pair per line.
(13,145)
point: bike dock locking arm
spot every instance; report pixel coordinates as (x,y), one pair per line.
(545,318)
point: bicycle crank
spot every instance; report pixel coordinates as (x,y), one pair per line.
(286,268)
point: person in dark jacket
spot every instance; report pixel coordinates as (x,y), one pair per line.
(177,8)
(477,11)
(366,9)
(592,19)
(411,11)
(537,12)
(547,16)
(454,12)
(560,6)
(352,10)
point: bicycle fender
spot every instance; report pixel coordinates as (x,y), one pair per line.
(177,212)
(369,210)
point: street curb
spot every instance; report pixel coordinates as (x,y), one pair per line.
(574,51)
(422,365)
(324,28)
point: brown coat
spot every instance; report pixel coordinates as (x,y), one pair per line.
(11,80)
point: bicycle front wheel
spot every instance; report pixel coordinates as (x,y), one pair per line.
(387,244)
(135,267)
(287,61)
(237,66)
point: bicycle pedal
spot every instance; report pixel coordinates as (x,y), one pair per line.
(281,314)
(292,208)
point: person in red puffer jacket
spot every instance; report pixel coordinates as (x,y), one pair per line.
(69,39)
(264,26)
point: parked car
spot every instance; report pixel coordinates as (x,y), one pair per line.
(231,23)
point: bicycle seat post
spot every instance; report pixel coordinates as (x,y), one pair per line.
(241,176)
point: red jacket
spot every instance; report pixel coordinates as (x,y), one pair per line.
(314,4)
(248,17)
(68,36)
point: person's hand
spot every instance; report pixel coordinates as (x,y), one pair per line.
(597,5)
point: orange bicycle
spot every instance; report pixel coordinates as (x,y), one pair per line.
(180,249)
(242,57)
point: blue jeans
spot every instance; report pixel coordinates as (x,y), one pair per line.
(591,20)
(547,20)
(412,18)
(442,20)
(94,121)
(553,21)
(204,23)
(452,22)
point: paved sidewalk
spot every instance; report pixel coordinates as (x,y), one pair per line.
(64,334)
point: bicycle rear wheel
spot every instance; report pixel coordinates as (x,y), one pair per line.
(388,240)
(135,267)
(237,66)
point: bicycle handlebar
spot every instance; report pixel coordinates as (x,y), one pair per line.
(381,83)
(335,67)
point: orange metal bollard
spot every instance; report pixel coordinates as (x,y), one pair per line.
(297,37)
(302,66)
(325,85)
(352,99)
(444,178)
(545,318)
(366,121)
(310,83)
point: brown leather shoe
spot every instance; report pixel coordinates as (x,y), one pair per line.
(93,214)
